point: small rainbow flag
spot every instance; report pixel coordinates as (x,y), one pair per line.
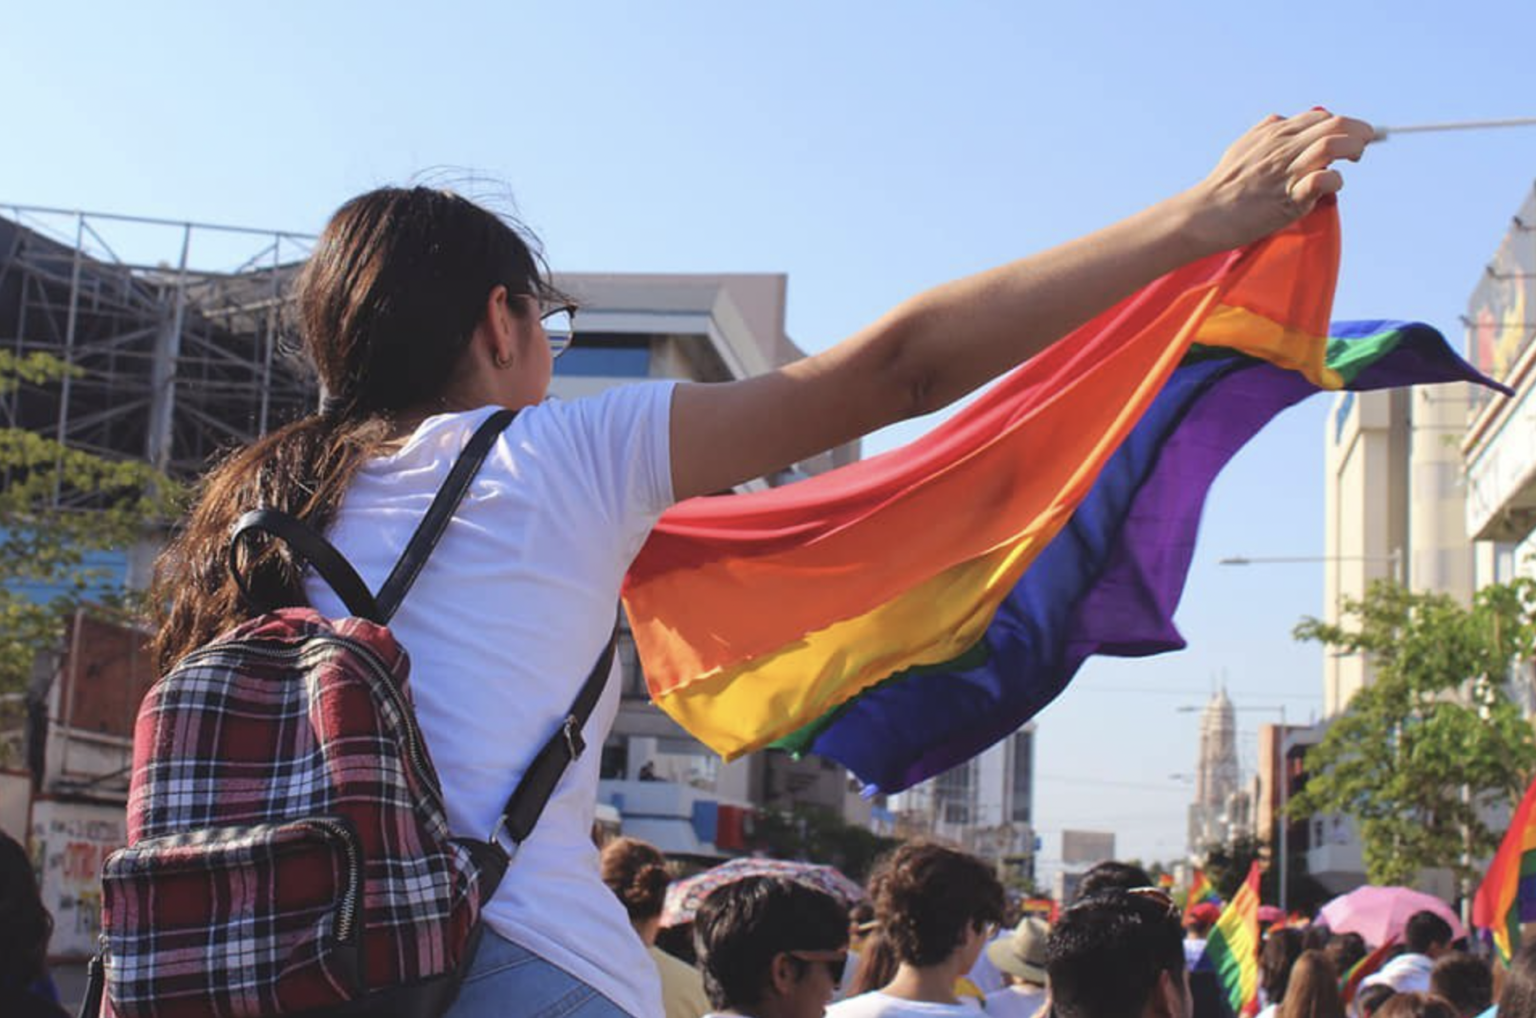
(1200,889)
(1349,983)
(902,613)
(1233,947)
(1507,896)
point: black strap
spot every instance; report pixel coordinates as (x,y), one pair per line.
(432,525)
(305,541)
(333,567)
(532,794)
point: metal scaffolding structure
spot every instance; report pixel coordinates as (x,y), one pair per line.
(175,331)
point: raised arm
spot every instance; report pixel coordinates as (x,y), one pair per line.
(936,347)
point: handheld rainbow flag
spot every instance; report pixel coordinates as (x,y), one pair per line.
(902,613)
(1349,983)
(1507,896)
(1233,947)
(1200,889)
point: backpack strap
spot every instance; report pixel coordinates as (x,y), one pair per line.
(333,567)
(532,794)
(430,530)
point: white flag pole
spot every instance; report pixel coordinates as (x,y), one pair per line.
(1382,133)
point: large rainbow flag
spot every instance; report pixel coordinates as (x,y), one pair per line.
(902,613)
(1233,947)
(1507,896)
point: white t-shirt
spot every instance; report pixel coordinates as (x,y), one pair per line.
(1015,1002)
(503,625)
(881,1005)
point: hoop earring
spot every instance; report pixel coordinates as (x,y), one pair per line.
(501,362)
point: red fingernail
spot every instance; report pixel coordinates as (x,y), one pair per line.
(1320,109)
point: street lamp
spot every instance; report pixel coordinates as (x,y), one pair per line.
(1285,786)
(1396,560)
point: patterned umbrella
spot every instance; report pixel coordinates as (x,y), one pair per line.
(685,896)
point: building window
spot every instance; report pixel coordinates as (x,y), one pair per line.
(597,359)
(1022,785)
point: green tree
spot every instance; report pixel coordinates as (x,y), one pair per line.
(45,572)
(1433,740)
(817,834)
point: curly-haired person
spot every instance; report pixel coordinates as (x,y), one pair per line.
(937,908)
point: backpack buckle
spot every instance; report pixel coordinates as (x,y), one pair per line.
(571,729)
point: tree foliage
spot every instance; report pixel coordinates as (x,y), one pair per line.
(46,568)
(1433,741)
(817,834)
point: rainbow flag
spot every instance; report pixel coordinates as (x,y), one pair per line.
(1233,946)
(902,613)
(1349,983)
(1200,889)
(1507,896)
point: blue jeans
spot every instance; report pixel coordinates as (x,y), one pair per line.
(507,980)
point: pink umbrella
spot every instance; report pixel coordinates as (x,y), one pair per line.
(1377,913)
(1270,913)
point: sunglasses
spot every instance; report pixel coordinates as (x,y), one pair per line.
(834,961)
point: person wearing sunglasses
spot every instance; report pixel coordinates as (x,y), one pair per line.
(771,948)
(1119,954)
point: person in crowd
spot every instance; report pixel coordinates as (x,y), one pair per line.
(771,948)
(937,908)
(636,872)
(1415,1004)
(1276,957)
(1517,998)
(877,966)
(1104,876)
(1313,989)
(1346,950)
(861,926)
(1368,999)
(1315,937)
(26,989)
(1465,980)
(1425,938)
(1020,956)
(423,313)
(1198,920)
(1118,954)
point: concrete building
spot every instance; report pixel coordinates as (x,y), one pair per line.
(985,805)
(1500,442)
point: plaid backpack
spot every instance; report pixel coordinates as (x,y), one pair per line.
(288,848)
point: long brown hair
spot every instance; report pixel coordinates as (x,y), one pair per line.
(385,308)
(1313,989)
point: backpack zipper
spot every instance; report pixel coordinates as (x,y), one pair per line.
(346,921)
(413,742)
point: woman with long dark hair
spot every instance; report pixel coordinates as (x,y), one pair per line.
(1313,989)
(423,313)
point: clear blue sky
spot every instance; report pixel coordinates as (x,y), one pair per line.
(866,149)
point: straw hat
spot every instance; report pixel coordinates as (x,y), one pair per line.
(1022,952)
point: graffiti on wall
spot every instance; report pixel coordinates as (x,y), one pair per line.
(69,843)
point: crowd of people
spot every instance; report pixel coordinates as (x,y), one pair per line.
(936,938)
